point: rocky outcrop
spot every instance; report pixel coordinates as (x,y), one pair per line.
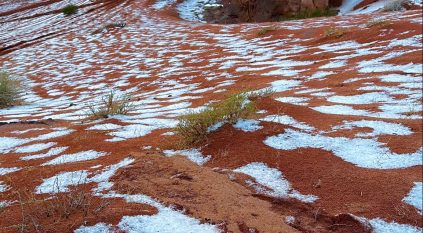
(236,11)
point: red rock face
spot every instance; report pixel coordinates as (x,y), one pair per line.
(260,11)
(314,4)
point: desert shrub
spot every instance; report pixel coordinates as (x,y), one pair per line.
(334,32)
(41,214)
(380,23)
(110,105)
(193,127)
(9,90)
(394,5)
(304,14)
(115,25)
(70,9)
(265,30)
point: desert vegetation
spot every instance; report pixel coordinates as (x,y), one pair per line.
(304,14)
(394,5)
(110,104)
(333,32)
(70,9)
(194,127)
(265,30)
(10,88)
(378,22)
(40,214)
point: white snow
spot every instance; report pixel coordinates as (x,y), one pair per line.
(248,125)
(53,151)
(289,219)
(26,131)
(274,180)
(75,157)
(35,147)
(107,126)
(3,187)
(293,100)
(8,143)
(160,4)
(284,85)
(334,64)
(193,10)
(393,111)
(367,153)
(140,128)
(215,126)
(381,226)
(167,220)
(348,6)
(7,170)
(194,155)
(97,228)
(287,120)
(103,177)
(370,8)
(367,98)
(379,128)
(414,197)
(61,182)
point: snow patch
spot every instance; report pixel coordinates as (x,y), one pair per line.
(248,125)
(194,155)
(274,180)
(62,181)
(414,197)
(287,120)
(75,157)
(367,153)
(379,128)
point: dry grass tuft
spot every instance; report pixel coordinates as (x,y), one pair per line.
(40,214)
(380,23)
(110,105)
(334,32)
(265,30)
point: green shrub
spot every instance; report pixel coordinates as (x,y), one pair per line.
(304,14)
(110,105)
(70,9)
(9,90)
(193,127)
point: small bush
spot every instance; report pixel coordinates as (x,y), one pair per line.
(70,9)
(193,127)
(265,30)
(9,90)
(394,5)
(334,32)
(380,23)
(110,105)
(311,14)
